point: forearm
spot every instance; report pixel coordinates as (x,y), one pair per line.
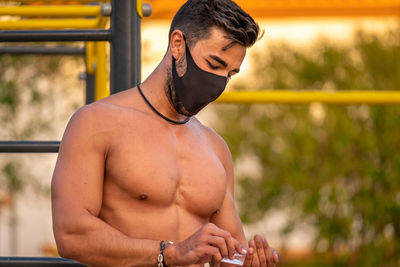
(95,243)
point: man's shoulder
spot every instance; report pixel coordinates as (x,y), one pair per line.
(109,109)
(95,113)
(216,140)
(211,133)
(103,116)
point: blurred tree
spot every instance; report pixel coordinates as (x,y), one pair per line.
(336,168)
(24,106)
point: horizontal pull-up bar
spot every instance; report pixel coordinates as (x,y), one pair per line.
(51,1)
(42,50)
(25,24)
(55,36)
(37,261)
(52,11)
(305,97)
(29,146)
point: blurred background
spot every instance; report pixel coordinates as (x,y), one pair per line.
(320,181)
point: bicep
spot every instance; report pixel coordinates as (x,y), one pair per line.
(78,176)
(228,218)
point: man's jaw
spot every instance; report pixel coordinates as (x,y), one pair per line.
(175,105)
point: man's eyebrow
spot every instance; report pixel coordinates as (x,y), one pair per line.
(223,63)
(236,70)
(219,60)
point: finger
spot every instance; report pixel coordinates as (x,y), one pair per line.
(229,240)
(268,252)
(220,243)
(272,254)
(249,257)
(255,262)
(231,244)
(239,247)
(214,253)
(276,256)
(261,253)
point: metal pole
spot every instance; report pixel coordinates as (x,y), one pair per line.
(55,36)
(29,146)
(37,262)
(41,24)
(125,46)
(90,88)
(100,73)
(309,96)
(51,11)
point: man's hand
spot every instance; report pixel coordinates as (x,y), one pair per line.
(260,254)
(208,243)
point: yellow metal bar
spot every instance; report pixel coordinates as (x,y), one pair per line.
(102,22)
(101,74)
(49,24)
(48,1)
(305,97)
(139,8)
(90,58)
(52,11)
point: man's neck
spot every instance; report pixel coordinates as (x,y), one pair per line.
(154,89)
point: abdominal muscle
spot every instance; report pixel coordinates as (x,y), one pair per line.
(172,223)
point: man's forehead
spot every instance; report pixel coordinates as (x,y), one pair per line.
(230,44)
(217,40)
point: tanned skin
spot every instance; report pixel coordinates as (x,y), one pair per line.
(125,178)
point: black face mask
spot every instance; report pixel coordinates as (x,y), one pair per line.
(196,88)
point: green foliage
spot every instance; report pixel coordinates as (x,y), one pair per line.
(31,88)
(336,168)
(15,184)
(21,104)
(9,95)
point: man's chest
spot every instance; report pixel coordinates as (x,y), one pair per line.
(163,168)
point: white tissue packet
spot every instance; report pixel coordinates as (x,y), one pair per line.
(237,260)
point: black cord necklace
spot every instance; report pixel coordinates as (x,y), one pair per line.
(158,113)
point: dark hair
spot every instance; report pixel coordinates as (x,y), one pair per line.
(196,17)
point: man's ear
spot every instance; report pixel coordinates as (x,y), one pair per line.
(177,44)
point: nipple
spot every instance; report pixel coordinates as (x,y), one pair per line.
(143,197)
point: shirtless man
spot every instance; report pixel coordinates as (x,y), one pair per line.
(136,169)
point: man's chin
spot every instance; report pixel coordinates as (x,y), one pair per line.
(176,104)
(180,108)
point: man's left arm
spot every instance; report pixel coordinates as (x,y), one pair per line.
(259,253)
